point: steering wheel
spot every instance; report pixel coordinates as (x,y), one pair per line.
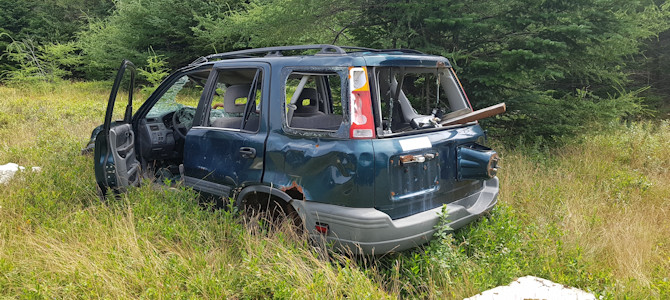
(182,120)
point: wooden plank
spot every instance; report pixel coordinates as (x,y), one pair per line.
(476,115)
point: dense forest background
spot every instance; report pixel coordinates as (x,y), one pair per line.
(561,66)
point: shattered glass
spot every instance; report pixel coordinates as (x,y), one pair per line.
(168,101)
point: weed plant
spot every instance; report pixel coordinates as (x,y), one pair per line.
(591,214)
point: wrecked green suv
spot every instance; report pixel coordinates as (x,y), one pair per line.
(364,145)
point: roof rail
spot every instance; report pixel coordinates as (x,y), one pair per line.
(198,60)
(402,50)
(359,48)
(277,51)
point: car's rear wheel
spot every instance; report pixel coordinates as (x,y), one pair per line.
(273,210)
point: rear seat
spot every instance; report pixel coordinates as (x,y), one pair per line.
(312,107)
(307,114)
(321,121)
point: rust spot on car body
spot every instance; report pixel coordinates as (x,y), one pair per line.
(406,158)
(294,190)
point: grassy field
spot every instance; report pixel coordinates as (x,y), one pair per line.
(594,214)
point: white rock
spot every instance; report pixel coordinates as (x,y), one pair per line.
(9,166)
(7,171)
(530,287)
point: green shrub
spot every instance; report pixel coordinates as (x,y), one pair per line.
(155,71)
(541,119)
(40,62)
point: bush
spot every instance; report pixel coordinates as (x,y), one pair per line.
(40,62)
(540,119)
(155,71)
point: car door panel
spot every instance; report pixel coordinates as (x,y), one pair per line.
(217,160)
(122,145)
(115,163)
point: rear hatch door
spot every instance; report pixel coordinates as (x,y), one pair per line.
(419,172)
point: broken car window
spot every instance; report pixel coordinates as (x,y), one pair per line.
(314,101)
(230,106)
(416,98)
(185,91)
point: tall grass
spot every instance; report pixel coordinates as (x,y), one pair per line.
(592,214)
(58,240)
(610,194)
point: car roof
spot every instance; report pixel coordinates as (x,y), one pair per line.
(328,55)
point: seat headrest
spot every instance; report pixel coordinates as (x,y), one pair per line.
(233,93)
(311,107)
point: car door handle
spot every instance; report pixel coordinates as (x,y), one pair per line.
(248,152)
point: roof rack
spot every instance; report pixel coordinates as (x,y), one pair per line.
(325,49)
(277,51)
(402,50)
(359,48)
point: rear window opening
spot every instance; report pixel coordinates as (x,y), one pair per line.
(416,98)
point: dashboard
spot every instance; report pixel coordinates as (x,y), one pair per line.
(157,138)
(160,129)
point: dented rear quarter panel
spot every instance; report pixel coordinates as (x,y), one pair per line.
(368,173)
(325,167)
(325,170)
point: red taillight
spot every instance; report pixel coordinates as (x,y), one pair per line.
(360,105)
(321,228)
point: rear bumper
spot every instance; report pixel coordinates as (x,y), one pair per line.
(371,231)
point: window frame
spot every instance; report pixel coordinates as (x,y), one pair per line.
(343,129)
(167,83)
(377,109)
(205,105)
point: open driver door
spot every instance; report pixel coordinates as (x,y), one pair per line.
(116,166)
